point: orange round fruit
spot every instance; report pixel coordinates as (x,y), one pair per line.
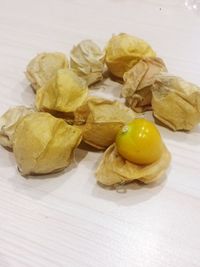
(139,142)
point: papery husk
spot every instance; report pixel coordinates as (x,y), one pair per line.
(138,82)
(123,51)
(101,134)
(43,67)
(8,123)
(176,102)
(44,144)
(87,60)
(64,93)
(114,170)
(101,119)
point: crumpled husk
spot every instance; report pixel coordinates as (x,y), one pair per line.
(43,67)
(8,124)
(44,144)
(101,119)
(64,93)
(114,170)
(87,60)
(176,102)
(138,82)
(123,51)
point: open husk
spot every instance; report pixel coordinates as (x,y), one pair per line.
(113,169)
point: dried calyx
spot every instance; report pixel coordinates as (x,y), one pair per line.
(44,144)
(8,123)
(123,51)
(114,169)
(64,93)
(138,83)
(176,102)
(100,120)
(43,67)
(87,60)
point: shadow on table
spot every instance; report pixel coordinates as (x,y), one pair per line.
(39,186)
(187,137)
(28,94)
(7,158)
(130,194)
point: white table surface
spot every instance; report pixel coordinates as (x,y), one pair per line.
(68,220)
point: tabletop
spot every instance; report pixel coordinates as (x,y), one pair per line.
(67,219)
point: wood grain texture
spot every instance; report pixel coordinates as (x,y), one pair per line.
(67,220)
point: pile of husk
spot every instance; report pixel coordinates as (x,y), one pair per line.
(67,111)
